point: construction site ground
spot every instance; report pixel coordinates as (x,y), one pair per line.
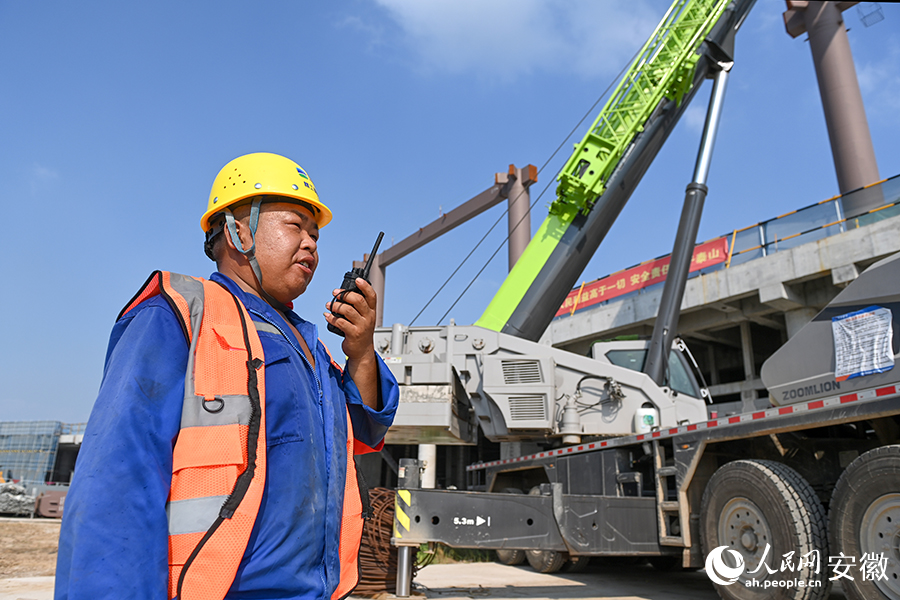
(28,559)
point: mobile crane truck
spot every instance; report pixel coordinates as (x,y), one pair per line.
(635,466)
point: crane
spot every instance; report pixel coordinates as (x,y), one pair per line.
(631,465)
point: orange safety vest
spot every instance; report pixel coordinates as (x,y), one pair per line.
(219,459)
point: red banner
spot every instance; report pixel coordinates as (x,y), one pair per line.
(649,273)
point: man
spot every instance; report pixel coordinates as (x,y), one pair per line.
(217,455)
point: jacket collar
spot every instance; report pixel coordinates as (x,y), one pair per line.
(256,304)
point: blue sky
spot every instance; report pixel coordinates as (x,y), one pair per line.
(116,117)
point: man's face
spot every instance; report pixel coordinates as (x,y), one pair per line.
(286,249)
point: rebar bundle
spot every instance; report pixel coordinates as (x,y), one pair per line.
(377,558)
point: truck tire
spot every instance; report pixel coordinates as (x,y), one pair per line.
(576,564)
(750,506)
(511,557)
(545,561)
(864,518)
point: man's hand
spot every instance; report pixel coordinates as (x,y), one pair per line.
(358,322)
(358,325)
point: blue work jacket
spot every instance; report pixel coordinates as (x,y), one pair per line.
(114,537)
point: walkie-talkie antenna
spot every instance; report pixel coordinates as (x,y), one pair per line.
(365,271)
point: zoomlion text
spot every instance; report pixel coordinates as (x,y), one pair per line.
(811,390)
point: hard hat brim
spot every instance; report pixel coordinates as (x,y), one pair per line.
(321,213)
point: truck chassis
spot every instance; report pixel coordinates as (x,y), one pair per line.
(755,482)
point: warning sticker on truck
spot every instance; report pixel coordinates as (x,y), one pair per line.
(862,343)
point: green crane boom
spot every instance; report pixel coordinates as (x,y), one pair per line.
(664,68)
(661,76)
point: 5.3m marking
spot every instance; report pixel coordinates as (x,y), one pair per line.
(477,521)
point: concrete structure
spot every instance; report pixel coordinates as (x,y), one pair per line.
(845,115)
(39,452)
(734,318)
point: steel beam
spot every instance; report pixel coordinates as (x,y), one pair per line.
(459,215)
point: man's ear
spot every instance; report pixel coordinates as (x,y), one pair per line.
(243,231)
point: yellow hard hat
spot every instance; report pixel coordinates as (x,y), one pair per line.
(263,174)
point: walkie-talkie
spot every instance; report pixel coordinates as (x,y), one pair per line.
(349,283)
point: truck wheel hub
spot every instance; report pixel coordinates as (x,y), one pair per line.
(749,541)
(743,527)
(879,533)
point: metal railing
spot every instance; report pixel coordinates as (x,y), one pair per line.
(811,223)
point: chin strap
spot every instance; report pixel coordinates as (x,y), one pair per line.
(250,253)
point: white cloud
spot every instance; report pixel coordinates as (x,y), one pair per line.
(373,33)
(43,173)
(506,38)
(879,81)
(695,117)
(41,178)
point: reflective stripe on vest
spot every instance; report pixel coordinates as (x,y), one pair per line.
(219,459)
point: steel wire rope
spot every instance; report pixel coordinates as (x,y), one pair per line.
(500,247)
(475,247)
(588,113)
